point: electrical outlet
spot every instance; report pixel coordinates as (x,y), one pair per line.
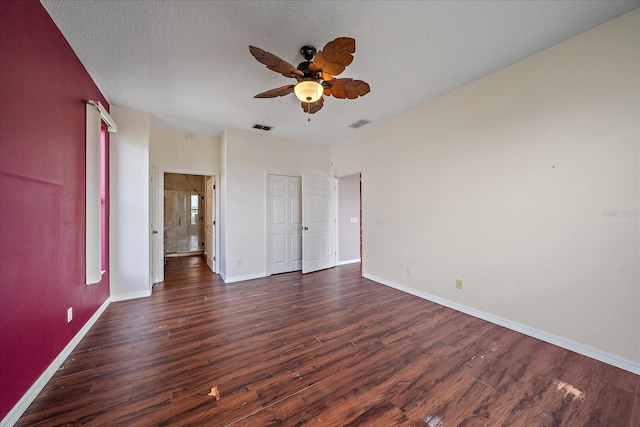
(458,284)
(239,261)
(69,314)
(409,271)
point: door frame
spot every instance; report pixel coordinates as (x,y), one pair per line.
(159,187)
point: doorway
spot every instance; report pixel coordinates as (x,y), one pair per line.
(158,210)
(184,200)
(349,219)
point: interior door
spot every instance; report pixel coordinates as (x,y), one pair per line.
(210,229)
(155,239)
(284,222)
(318,223)
(295,223)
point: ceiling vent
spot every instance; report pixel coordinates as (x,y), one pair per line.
(359,123)
(262,127)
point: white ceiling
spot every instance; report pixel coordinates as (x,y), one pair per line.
(188,62)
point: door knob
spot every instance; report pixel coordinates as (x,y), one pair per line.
(154,231)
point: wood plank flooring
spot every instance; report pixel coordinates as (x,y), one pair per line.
(328,348)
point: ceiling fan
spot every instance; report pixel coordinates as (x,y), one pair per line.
(315,75)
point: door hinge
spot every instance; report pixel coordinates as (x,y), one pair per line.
(214,223)
(214,186)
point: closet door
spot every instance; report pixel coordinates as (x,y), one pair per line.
(284,223)
(295,223)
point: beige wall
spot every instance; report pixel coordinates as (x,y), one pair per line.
(179,152)
(248,158)
(173,151)
(523,184)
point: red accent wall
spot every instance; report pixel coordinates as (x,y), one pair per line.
(43,87)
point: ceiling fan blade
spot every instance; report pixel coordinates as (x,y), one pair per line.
(335,56)
(312,107)
(348,88)
(279,91)
(326,76)
(274,63)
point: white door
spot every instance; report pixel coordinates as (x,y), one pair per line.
(210,229)
(318,222)
(284,223)
(156,239)
(295,223)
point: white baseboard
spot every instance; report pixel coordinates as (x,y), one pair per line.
(16,412)
(133,295)
(607,358)
(243,278)
(349,261)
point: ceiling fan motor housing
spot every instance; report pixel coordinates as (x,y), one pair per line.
(308,52)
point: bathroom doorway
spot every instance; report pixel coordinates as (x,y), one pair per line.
(184,200)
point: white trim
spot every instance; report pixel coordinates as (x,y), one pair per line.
(104,115)
(243,278)
(93,205)
(132,295)
(349,261)
(23,404)
(607,358)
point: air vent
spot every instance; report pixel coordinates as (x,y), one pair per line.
(262,127)
(359,123)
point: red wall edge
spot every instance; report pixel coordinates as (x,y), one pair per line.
(43,86)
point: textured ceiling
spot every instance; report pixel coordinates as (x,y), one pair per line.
(188,62)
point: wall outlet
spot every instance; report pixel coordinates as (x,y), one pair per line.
(458,284)
(69,314)
(409,270)
(239,261)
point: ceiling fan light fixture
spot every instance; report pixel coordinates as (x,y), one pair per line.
(308,91)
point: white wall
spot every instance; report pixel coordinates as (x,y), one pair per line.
(248,158)
(523,184)
(348,208)
(129,213)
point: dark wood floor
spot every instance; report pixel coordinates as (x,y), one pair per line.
(328,348)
